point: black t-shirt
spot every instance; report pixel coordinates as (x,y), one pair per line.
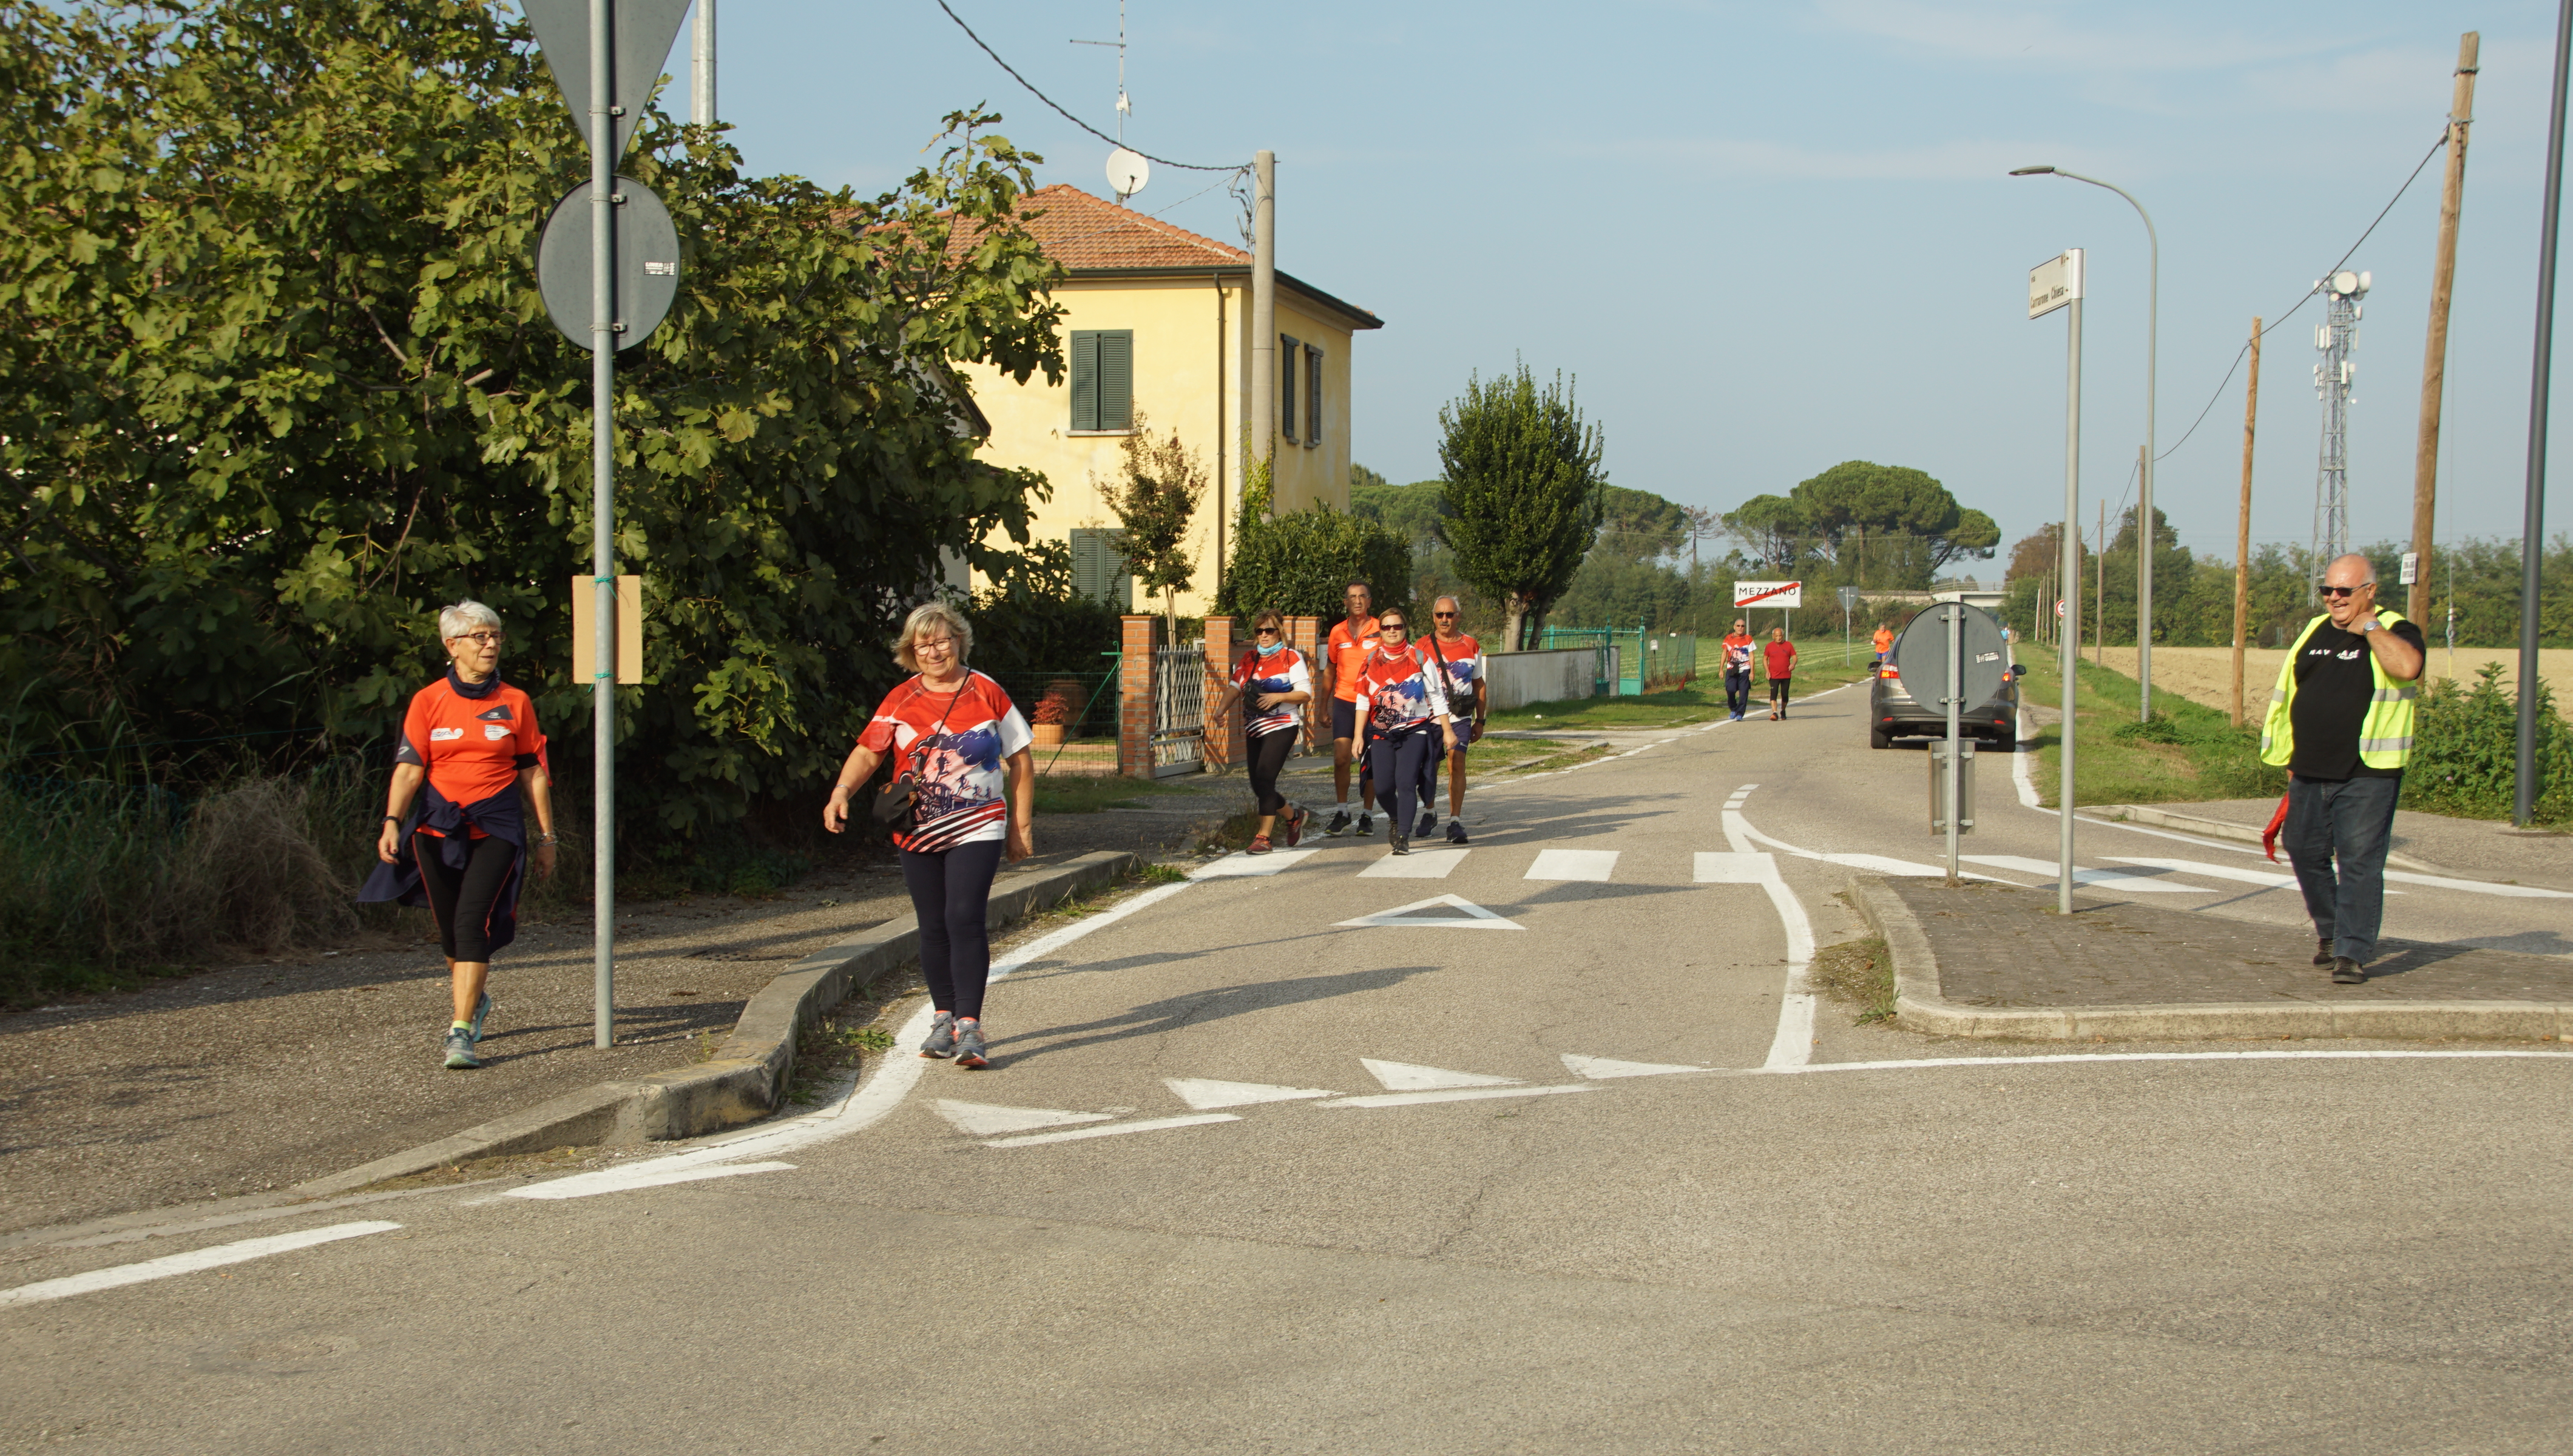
(2335,682)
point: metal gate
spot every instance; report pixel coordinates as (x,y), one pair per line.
(1178,709)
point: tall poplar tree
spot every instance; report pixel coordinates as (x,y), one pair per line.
(1526,493)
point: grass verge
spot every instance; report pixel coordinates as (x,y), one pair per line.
(2185,752)
(1090,793)
(1591,754)
(1858,974)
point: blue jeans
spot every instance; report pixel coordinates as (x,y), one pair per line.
(1737,692)
(2351,821)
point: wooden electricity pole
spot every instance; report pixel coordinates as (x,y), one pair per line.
(2243,525)
(2434,350)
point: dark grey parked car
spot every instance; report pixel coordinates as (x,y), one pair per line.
(1894,713)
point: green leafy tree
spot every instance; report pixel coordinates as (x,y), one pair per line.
(1300,563)
(1524,492)
(1155,496)
(281,383)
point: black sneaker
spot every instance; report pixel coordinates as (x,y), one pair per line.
(1339,826)
(2323,951)
(1455,831)
(2346,971)
(1401,844)
(1427,825)
(1366,825)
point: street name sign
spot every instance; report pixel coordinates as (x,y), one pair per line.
(2054,283)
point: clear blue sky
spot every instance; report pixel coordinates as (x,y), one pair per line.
(1768,237)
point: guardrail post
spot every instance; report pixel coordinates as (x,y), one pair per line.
(1137,637)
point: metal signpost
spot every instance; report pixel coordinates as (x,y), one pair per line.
(2051,285)
(1953,655)
(606,54)
(1848,605)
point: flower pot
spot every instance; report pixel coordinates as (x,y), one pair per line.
(1049,735)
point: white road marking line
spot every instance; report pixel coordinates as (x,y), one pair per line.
(983,1119)
(2073,1056)
(1405,1076)
(871,1099)
(2119,881)
(1202,1093)
(1794,1042)
(1564,864)
(1403,916)
(1740,831)
(2269,877)
(1250,864)
(1435,864)
(1461,1095)
(2407,877)
(241,1251)
(1602,1068)
(1118,1130)
(654,1174)
(2477,886)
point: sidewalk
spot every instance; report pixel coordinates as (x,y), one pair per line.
(2480,849)
(262,1076)
(1989,960)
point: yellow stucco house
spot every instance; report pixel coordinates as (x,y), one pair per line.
(1157,319)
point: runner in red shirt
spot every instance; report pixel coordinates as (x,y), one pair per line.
(1345,652)
(1782,669)
(472,741)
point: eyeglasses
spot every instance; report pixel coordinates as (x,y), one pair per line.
(486,639)
(2347,590)
(1444,616)
(935,646)
(1389,626)
(1264,631)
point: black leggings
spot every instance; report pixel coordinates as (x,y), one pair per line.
(951,893)
(1268,752)
(462,899)
(1396,757)
(1778,692)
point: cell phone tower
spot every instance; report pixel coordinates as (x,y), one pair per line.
(2335,336)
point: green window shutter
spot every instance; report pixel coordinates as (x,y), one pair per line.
(1099,567)
(1286,366)
(1313,395)
(1084,378)
(1121,582)
(1116,379)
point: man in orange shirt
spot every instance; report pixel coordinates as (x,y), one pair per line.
(1346,653)
(1884,642)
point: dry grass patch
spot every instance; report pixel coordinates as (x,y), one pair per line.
(1859,974)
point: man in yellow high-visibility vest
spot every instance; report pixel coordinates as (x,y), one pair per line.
(2340,723)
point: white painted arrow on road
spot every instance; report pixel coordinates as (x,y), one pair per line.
(1403,1077)
(1202,1093)
(983,1119)
(1475,916)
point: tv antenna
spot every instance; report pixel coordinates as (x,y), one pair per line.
(1127,171)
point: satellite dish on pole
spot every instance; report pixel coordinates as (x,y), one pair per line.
(1128,172)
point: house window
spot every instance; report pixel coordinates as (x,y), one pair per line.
(1099,567)
(1313,395)
(1102,380)
(1286,387)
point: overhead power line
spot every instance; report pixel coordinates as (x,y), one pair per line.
(2245,349)
(1067,116)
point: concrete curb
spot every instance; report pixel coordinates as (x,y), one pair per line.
(2152,817)
(752,1066)
(1920,1005)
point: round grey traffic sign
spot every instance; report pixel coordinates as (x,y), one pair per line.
(647,264)
(1920,655)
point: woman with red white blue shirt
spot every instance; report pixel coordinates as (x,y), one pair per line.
(1272,678)
(966,747)
(1400,701)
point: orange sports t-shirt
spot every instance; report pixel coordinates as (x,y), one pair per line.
(1348,646)
(1885,639)
(473,747)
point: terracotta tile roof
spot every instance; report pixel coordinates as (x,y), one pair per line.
(1083,232)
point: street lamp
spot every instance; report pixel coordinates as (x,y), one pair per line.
(2145,534)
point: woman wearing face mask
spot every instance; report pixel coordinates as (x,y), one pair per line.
(1406,718)
(1274,681)
(472,742)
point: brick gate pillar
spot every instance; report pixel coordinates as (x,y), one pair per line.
(1226,745)
(1137,637)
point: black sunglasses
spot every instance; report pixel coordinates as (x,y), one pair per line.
(1443,614)
(2346,591)
(1264,631)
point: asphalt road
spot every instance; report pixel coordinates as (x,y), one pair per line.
(1580,1171)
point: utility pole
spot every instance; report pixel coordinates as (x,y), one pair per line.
(2051,285)
(701,66)
(2243,525)
(2100,594)
(604,148)
(1260,419)
(2434,350)
(2533,507)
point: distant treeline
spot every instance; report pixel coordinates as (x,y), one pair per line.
(2194,595)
